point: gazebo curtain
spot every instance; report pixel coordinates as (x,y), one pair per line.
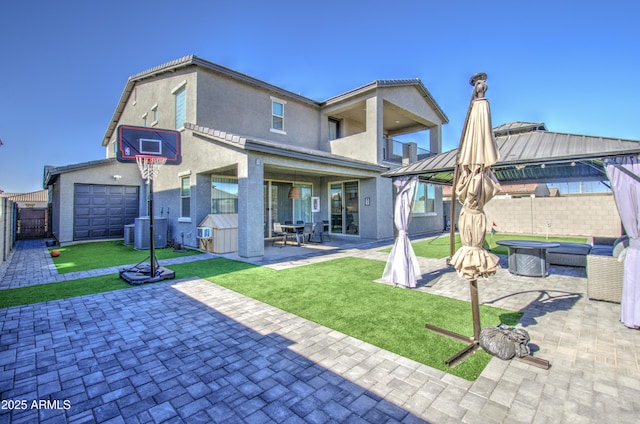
(624,174)
(402,268)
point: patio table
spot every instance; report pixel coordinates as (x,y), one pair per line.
(295,229)
(528,257)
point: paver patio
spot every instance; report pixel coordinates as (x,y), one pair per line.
(190,351)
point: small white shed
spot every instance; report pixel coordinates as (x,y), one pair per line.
(224,233)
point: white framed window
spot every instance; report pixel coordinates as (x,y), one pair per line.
(180,98)
(185,196)
(277,115)
(424,202)
(154,115)
(144,120)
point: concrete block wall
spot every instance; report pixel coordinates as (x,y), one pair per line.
(7,227)
(584,215)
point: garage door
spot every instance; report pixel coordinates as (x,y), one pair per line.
(102,211)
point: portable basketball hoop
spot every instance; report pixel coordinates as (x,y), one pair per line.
(149,149)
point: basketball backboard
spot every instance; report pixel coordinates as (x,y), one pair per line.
(152,142)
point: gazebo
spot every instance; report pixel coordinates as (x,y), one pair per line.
(528,153)
(531,155)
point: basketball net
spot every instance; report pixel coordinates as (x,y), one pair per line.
(149,166)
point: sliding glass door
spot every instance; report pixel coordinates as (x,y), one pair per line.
(345,208)
(279,208)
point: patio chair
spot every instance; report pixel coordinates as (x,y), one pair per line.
(277,233)
(326,226)
(307,231)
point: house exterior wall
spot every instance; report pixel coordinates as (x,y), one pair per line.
(158,92)
(231,106)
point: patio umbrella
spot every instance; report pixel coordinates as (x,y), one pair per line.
(624,174)
(476,185)
(402,268)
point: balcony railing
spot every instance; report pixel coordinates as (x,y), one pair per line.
(399,152)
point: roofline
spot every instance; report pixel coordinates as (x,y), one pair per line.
(270,147)
(447,157)
(392,83)
(192,60)
(51,172)
(185,62)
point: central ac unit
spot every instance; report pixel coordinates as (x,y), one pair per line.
(203,232)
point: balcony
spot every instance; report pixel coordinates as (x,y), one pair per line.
(402,153)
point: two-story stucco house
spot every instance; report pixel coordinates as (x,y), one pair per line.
(246,143)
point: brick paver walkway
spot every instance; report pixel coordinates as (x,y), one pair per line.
(191,351)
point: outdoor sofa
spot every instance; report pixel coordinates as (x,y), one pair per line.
(603,258)
(605,271)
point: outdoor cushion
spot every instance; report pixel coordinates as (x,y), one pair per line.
(571,249)
(601,250)
(620,244)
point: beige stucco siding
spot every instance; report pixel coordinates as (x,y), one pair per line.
(227,105)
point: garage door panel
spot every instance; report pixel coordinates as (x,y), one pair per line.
(99,201)
(99,221)
(101,211)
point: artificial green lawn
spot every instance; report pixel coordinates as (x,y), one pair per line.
(438,247)
(339,294)
(105,254)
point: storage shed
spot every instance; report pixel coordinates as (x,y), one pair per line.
(224,233)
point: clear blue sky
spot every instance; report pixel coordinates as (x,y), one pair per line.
(63,65)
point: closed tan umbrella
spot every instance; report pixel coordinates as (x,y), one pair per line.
(476,185)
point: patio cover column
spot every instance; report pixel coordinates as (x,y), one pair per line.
(250,210)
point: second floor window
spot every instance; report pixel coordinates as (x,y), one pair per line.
(185,197)
(334,129)
(154,114)
(277,115)
(180,97)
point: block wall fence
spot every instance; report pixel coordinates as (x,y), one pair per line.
(579,215)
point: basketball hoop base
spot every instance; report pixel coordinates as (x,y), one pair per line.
(141,274)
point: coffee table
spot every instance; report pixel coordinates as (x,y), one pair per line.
(527,257)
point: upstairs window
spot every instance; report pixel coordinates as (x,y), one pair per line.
(277,115)
(154,114)
(144,120)
(180,97)
(335,130)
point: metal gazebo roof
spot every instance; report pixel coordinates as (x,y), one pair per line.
(533,156)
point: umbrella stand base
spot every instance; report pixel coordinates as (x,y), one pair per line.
(456,359)
(474,345)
